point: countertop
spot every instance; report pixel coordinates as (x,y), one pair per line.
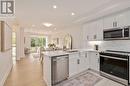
(59,53)
(54,53)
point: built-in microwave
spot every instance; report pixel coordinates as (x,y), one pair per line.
(117,33)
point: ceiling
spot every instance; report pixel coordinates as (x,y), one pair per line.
(30,14)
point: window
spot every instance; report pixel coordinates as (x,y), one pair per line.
(38,42)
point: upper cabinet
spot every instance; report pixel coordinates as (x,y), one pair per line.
(109,22)
(127,18)
(118,20)
(93,31)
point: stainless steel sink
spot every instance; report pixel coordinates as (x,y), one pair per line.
(71,51)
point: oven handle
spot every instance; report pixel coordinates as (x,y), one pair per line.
(114,57)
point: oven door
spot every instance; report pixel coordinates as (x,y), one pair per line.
(114,66)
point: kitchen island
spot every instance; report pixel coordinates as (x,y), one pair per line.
(48,64)
(74,62)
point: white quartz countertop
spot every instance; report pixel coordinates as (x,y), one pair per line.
(59,53)
(54,53)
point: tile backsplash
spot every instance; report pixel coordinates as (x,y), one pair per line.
(121,45)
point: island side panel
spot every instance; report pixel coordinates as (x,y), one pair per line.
(47,70)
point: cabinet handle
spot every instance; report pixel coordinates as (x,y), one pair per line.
(78,61)
(95,36)
(85,55)
(98,60)
(115,24)
(87,37)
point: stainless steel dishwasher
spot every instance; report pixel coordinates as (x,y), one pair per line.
(60,68)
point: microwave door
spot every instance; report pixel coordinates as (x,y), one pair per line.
(113,34)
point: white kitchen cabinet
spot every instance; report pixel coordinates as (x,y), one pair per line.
(127,18)
(110,22)
(121,19)
(118,20)
(73,64)
(98,30)
(84,62)
(94,60)
(78,62)
(87,31)
(93,31)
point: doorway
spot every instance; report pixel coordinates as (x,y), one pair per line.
(38,43)
(14,47)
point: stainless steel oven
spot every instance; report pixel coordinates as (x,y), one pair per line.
(115,65)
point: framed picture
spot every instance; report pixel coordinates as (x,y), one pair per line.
(6,37)
(0,36)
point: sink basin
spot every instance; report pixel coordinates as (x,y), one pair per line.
(71,51)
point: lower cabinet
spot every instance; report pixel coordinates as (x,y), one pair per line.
(73,64)
(78,62)
(94,60)
(84,62)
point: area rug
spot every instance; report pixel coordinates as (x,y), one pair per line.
(87,79)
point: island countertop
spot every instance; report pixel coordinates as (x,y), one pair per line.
(48,55)
(54,53)
(61,52)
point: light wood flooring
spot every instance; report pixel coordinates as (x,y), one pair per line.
(27,72)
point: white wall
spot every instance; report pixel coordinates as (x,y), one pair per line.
(75,31)
(27,40)
(5,64)
(19,43)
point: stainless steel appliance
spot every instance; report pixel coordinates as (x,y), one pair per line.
(60,68)
(117,33)
(115,65)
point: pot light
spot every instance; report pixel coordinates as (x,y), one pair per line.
(72,13)
(54,28)
(54,6)
(33,25)
(47,24)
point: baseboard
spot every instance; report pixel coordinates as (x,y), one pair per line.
(6,75)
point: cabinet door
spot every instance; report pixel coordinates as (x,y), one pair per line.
(73,64)
(127,14)
(84,62)
(98,30)
(94,61)
(109,22)
(86,32)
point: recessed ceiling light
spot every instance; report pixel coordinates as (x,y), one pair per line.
(72,13)
(54,6)
(54,28)
(33,25)
(47,24)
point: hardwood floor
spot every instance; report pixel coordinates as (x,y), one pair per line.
(27,72)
